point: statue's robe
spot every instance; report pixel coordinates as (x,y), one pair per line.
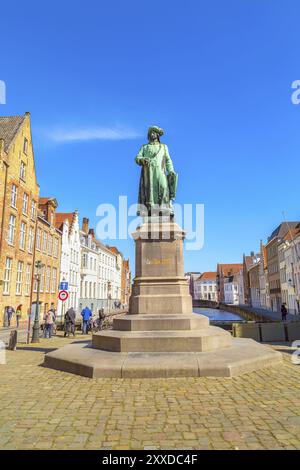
(154,189)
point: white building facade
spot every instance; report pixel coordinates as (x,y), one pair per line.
(205,286)
(100,272)
(70,259)
(234,289)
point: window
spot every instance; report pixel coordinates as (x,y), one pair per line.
(14,195)
(38,239)
(53,282)
(30,239)
(7,272)
(27,279)
(11,229)
(44,242)
(84,260)
(47,279)
(25,146)
(25,204)
(50,245)
(22,235)
(33,210)
(55,251)
(23,171)
(19,278)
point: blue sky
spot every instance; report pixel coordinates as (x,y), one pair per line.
(216,75)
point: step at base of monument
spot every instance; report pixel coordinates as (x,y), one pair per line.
(244,356)
(170,322)
(203,339)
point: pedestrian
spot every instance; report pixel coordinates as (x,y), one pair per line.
(10,311)
(49,319)
(19,314)
(70,319)
(53,327)
(101,318)
(284,312)
(86,315)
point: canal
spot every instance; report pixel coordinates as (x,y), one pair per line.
(216,315)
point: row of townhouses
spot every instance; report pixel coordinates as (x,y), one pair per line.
(32,231)
(265,280)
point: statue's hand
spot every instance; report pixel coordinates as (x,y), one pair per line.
(146,162)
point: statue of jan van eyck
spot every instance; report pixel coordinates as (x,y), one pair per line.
(158,181)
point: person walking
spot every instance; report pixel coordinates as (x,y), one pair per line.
(10,311)
(70,319)
(101,318)
(19,314)
(49,318)
(284,312)
(53,327)
(86,315)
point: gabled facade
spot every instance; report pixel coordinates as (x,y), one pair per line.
(226,271)
(48,251)
(19,193)
(273,263)
(70,265)
(289,257)
(205,286)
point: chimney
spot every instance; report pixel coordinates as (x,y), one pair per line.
(92,232)
(85,225)
(252,254)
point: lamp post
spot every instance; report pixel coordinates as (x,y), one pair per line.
(36,326)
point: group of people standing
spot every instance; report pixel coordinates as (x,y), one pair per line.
(49,318)
(87,321)
(10,312)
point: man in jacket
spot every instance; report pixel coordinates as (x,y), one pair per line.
(49,320)
(70,317)
(86,315)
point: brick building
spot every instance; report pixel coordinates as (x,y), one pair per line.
(273,263)
(47,250)
(19,192)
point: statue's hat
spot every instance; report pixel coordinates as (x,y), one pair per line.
(156,129)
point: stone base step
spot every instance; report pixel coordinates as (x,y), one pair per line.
(160,322)
(244,356)
(204,339)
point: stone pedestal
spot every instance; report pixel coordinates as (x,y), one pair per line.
(159,286)
(160,336)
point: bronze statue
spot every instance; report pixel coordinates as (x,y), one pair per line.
(158,182)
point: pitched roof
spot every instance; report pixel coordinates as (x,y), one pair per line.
(208,276)
(44,200)
(9,126)
(230,269)
(292,233)
(282,230)
(62,216)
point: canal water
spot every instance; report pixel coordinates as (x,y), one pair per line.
(218,315)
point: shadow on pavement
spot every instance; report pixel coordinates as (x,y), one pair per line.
(34,348)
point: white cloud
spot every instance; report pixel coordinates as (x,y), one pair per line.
(91,133)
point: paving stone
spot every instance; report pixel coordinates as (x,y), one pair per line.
(43,408)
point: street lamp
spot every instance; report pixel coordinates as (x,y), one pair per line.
(36,326)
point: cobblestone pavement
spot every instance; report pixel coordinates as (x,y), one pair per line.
(47,409)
